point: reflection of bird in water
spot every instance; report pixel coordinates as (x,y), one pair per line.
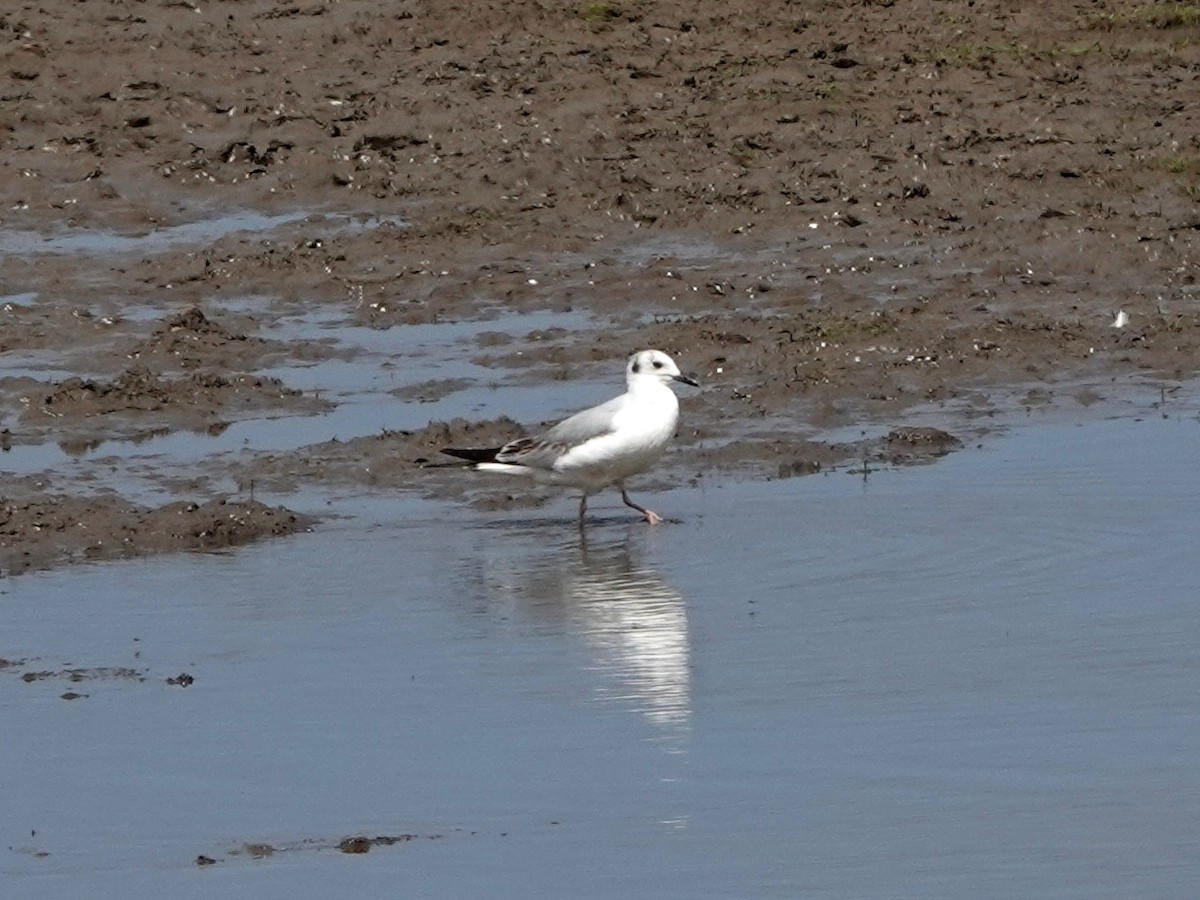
(633,621)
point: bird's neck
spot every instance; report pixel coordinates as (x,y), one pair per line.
(644,386)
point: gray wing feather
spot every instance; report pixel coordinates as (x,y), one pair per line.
(585,425)
(536,453)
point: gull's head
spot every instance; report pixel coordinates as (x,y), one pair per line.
(654,365)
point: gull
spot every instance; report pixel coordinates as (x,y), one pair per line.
(603,445)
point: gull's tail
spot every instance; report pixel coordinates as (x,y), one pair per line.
(472,454)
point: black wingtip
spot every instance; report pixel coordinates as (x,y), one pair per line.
(472,454)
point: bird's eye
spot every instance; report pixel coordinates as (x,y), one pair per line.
(657,364)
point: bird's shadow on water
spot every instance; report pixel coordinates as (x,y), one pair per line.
(597,584)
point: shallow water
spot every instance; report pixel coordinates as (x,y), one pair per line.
(160,238)
(976,678)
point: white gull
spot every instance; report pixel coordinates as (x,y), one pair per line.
(603,445)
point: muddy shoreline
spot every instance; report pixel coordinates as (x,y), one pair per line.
(835,216)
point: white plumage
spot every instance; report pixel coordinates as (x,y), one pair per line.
(603,445)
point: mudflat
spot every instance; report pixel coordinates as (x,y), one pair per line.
(833,214)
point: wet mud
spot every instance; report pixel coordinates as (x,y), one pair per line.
(44,530)
(834,215)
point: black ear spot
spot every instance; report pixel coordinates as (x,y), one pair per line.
(637,367)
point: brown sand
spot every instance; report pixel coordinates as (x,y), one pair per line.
(833,213)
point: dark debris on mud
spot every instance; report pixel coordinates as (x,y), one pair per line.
(33,674)
(354,845)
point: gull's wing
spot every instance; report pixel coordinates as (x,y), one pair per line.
(590,423)
(532,453)
(545,450)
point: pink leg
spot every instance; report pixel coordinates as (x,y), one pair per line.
(652,517)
